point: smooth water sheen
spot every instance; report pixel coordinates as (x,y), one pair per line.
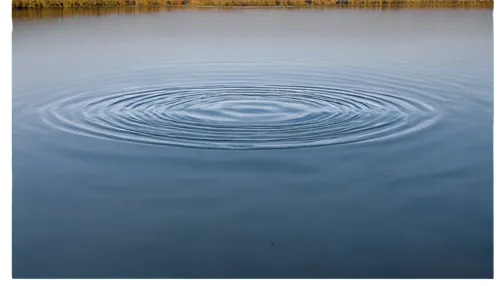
(254,143)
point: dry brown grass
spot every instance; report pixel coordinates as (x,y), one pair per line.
(117,3)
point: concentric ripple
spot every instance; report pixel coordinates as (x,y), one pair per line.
(240,117)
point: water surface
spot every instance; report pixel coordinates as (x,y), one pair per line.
(253,143)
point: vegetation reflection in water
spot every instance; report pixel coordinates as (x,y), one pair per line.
(337,3)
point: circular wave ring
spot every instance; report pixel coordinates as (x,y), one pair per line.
(240,117)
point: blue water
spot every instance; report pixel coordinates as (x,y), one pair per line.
(254,143)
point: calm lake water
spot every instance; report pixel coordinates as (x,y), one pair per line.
(253,143)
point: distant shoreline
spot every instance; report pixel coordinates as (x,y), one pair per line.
(253,3)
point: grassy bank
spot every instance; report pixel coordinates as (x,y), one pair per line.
(117,3)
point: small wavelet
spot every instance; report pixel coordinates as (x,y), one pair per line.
(240,117)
